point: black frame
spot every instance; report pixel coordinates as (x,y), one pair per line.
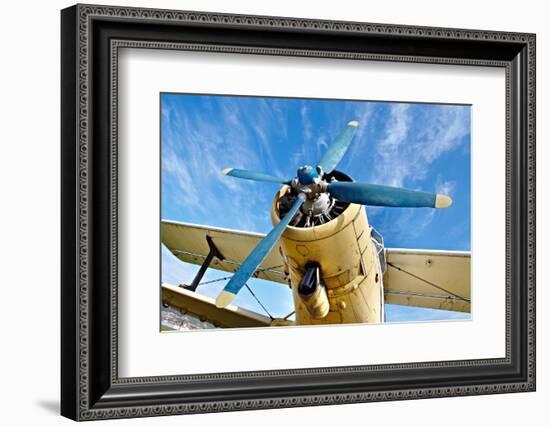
(91,37)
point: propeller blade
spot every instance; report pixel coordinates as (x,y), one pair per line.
(389,196)
(338,148)
(256,257)
(257,176)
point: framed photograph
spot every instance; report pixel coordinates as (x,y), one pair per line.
(263,212)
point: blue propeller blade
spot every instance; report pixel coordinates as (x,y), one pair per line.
(338,148)
(389,196)
(256,257)
(257,176)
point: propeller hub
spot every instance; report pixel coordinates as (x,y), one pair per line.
(307,175)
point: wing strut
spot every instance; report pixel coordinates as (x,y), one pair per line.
(214,252)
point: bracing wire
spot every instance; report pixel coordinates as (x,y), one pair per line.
(229,276)
(258,300)
(465,299)
(249,289)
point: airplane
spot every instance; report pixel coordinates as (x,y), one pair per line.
(323,248)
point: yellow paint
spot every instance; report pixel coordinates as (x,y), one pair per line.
(442,201)
(348,262)
(224,299)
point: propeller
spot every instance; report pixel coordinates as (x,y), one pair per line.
(251,263)
(261,177)
(310,185)
(379,195)
(338,148)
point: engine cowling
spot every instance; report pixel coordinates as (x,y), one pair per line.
(349,267)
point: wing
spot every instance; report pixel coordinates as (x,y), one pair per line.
(188,243)
(204,308)
(428,279)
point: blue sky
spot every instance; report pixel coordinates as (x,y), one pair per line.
(417,146)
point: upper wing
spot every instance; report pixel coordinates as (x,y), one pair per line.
(188,243)
(428,279)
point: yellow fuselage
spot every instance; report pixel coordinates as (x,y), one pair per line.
(349,267)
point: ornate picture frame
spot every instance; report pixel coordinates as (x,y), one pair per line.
(91,37)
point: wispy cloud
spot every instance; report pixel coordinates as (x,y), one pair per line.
(185,192)
(446,187)
(306,123)
(414,138)
(410,223)
(196,148)
(393,168)
(361,146)
(410,153)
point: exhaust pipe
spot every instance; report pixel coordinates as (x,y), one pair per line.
(313,293)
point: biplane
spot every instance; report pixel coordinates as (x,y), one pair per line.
(323,249)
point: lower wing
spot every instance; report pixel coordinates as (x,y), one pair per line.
(204,308)
(428,279)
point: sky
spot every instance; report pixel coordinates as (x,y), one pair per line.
(417,146)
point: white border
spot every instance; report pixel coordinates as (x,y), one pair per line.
(143,351)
